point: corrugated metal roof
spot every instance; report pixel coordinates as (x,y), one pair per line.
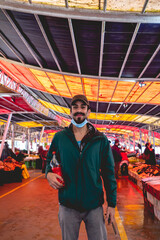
(86,47)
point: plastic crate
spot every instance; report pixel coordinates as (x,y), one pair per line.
(34,164)
(27,164)
(13,176)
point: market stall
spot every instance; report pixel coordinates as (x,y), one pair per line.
(12,171)
(151,192)
(139,171)
(31,161)
(147,178)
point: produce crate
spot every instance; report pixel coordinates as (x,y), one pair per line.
(1,177)
(13,176)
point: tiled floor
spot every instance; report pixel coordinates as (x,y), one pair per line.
(31,212)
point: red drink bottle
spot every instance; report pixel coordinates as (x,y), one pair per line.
(56,168)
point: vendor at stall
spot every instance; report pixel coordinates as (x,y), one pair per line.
(7,152)
(149,154)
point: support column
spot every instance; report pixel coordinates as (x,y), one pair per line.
(36,143)
(153,141)
(149,133)
(129,143)
(145,138)
(140,136)
(12,140)
(41,135)
(28,141)
(134,141)
(5,133)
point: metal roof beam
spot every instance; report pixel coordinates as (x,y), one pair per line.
(153,116)
(22,37)
(66,3)
(47,41)
(124,111)
(9,94)
(129,49)
(5,133)
(52,52)
(58,92)
(150,60)
(143,92)
(3,54)
(158,75)
(126,97)
(146,113)
(146,90)
(135,112)
(144,6)
(97,100)
(76,13)
(74,45)
(12,103)
(105,6)
(7,108)
(82,75)
(110,100)
(154,97)
(26,95)
(101,48)
(82,86)
(10,46)
(22,112)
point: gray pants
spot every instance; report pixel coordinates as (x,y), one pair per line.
(71,219)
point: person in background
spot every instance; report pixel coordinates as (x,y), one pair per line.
(40,150)
(7,152)
(42,161)
(117,156)
(85,156)
(20,156)
(149,154)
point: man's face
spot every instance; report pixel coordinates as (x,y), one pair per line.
(79,111)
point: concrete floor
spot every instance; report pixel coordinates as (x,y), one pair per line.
(29,210)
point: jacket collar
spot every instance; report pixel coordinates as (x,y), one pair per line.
(93,132)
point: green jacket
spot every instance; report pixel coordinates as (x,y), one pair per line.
(82,168)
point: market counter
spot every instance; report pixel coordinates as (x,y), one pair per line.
(151,192)
(147,178)
(31,161)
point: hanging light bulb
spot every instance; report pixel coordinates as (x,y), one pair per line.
(125,105)
(142,84)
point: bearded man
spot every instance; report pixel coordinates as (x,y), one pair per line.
(86,158)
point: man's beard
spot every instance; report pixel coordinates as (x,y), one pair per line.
(79,119)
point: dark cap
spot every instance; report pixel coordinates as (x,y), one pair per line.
(80,98)
(116,141)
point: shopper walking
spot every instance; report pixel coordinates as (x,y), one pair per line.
(85,155)
(117,156)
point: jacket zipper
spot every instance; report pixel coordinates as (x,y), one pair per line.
(80,161)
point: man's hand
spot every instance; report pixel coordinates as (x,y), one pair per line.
(110,214)
(53,181)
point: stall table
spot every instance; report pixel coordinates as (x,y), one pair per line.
(30,161)
(151,192)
